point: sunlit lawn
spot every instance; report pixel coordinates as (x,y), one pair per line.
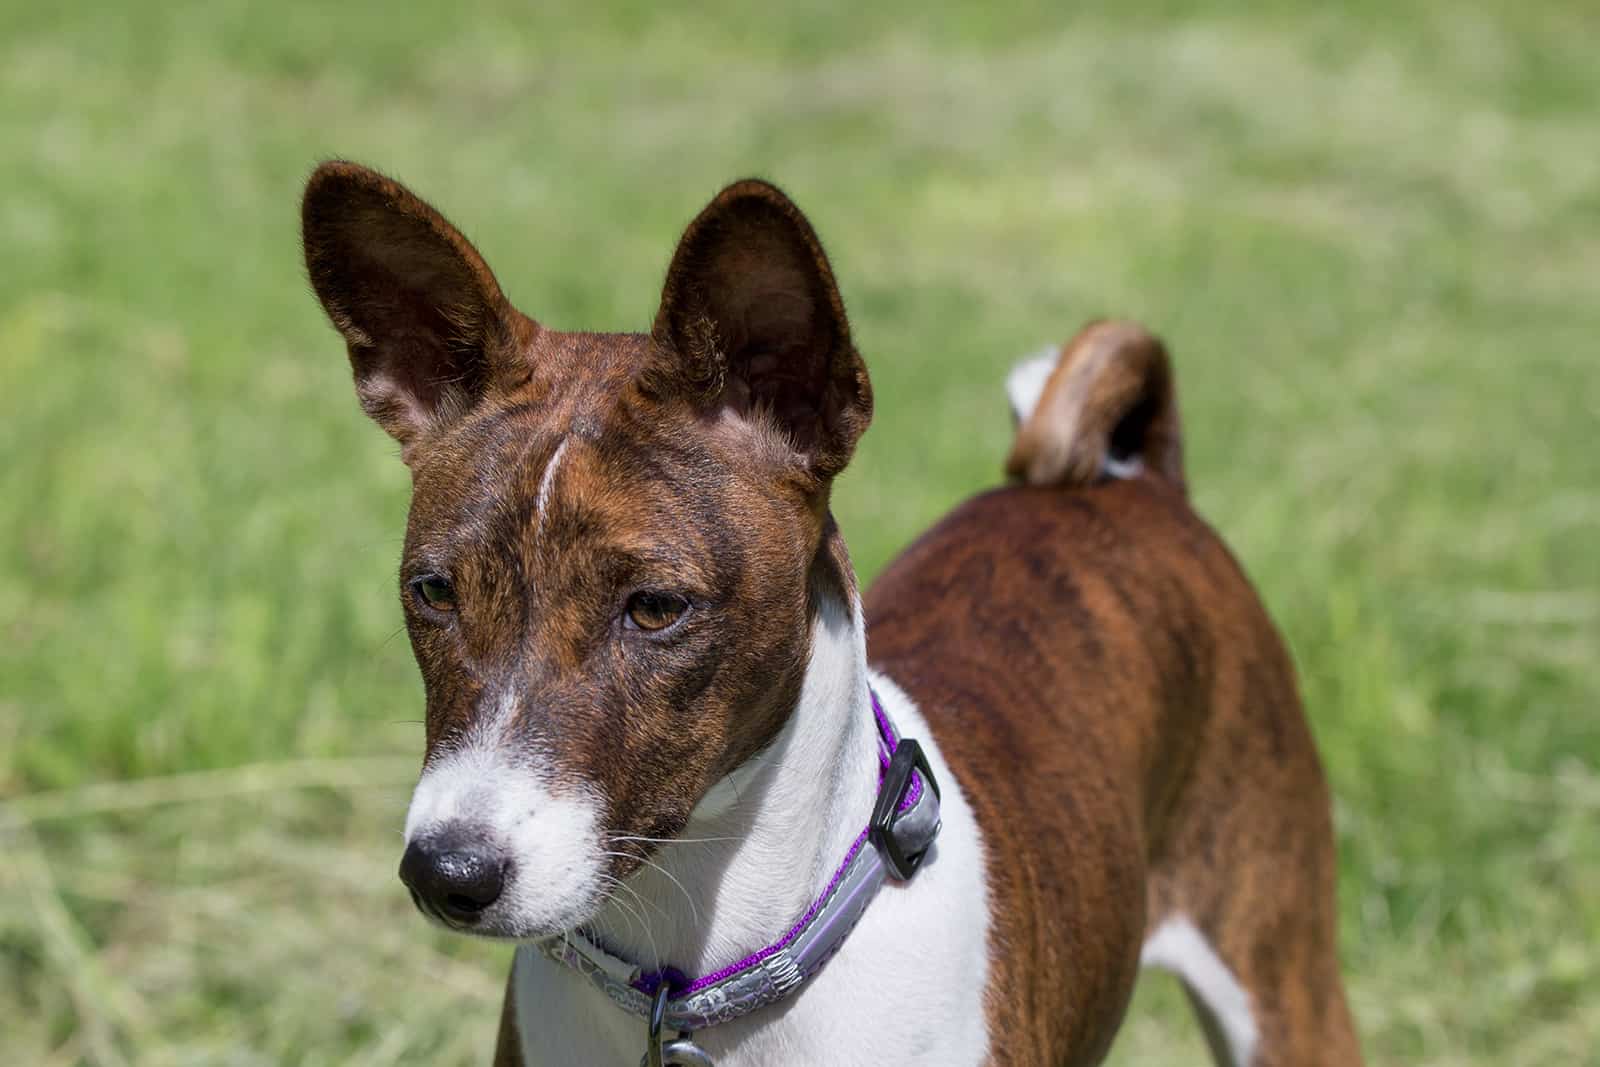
(1370,233)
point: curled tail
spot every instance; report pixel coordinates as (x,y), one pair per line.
(1101,406)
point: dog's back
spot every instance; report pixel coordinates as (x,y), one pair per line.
(1105,683)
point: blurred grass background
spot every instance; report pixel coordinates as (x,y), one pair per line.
(1370,233)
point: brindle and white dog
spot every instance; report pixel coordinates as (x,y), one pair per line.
(650,678)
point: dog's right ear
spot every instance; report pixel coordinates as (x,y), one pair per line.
(424,319)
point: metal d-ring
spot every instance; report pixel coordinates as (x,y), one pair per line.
(658,1013)
(680,1052)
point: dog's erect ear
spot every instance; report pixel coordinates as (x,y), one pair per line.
(751,321)
(422,315)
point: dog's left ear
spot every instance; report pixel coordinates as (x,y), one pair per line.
(751,322)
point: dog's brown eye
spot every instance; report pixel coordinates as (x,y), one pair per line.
(435,591)
(655,611)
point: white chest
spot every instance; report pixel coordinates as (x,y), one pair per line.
(906,986)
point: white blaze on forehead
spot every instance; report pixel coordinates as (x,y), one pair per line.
(550,837)
(549,478)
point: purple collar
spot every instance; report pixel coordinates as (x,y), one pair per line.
(904,823)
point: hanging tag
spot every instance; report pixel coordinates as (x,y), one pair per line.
(684,1053)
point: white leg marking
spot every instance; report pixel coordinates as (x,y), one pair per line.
(1025,384)
(1178,947)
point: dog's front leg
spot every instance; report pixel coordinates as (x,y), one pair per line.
(508,1048)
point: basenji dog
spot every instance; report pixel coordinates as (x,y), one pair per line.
(730,811)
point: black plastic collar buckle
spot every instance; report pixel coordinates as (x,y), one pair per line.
(908,756)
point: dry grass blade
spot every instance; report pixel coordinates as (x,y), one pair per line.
(108,1014)
(200,786)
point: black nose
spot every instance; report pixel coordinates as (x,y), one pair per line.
(453,878)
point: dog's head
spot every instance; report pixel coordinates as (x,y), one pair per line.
(616,544)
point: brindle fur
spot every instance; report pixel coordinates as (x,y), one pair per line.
(1095,667)
(1125,719)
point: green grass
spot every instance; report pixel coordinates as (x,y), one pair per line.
(1370,232)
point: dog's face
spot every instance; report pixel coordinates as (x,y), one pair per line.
(616,542)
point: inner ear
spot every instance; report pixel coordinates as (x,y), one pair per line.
(751,322)
(769,315)
(421,313)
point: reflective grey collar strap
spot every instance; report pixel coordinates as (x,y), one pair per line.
(904,823)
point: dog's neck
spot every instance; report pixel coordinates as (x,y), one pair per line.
(764,841)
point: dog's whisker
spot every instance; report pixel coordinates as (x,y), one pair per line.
(628,911)
(619,882)
(669,840)
(655,952)
(694,912)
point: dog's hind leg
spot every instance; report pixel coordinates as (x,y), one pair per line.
(1242,910)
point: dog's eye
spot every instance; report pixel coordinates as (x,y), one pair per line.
(435,591)
(654,611)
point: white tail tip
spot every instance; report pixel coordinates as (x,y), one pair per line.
(1025,384)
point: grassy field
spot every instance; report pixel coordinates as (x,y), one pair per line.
(1370,232)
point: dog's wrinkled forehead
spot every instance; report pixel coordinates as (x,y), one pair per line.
(574,452)
(571,456)
(558,384)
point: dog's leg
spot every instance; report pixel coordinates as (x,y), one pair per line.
(508,1047)
(1243,912)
